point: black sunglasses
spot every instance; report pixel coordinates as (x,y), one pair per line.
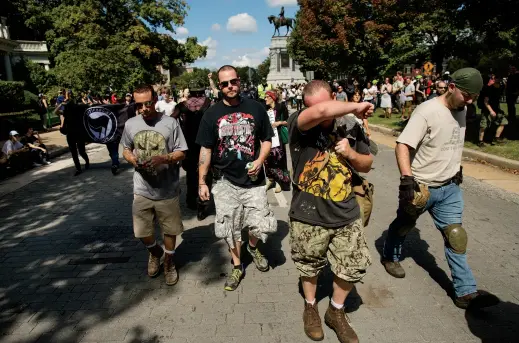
(233,82)
(139,105)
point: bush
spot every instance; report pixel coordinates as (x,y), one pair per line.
(11,96)
(30,101)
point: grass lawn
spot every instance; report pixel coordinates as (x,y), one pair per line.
(510,149)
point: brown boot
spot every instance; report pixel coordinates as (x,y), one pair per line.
(338,321)
(394,268)
(312,322)
(170,271)
(156,253)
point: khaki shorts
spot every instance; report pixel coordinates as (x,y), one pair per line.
(345,248)
(238,208)
(166,211)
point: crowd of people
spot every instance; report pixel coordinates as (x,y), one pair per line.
(234,150)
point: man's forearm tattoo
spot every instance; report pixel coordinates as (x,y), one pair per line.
(202,158)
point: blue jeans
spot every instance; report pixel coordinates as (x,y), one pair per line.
(113,150)
(445,207)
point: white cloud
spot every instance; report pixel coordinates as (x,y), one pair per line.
(216,27)
(242,22)
(182,31)
(182,40)
(251,59)
(277,3)
(211,45)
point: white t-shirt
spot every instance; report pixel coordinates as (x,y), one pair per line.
(409,89)
(275,138)
(367,94)
(164,107)
(9,146)
(437,134)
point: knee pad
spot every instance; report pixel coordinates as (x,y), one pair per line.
(456,238)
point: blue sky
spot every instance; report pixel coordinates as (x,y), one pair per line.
(235,31)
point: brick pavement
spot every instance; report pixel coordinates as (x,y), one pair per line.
(71,271)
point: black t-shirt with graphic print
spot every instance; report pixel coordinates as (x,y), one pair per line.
(324,195)
(235,133)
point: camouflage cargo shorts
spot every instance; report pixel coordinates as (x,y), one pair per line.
(238,208)
(345,248)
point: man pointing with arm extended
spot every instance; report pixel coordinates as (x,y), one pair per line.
(325,220)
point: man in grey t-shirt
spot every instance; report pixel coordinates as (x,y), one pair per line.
(154,144)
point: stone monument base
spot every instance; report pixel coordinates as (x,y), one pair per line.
(283,69)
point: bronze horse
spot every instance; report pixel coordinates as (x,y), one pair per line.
(278,22)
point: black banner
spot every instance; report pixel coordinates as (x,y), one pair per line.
(98,123)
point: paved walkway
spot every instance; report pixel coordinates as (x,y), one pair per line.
(71,271)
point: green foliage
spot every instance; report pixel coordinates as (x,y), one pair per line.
(96,44)
(375,38)
(195,79)
(11,96)
(30,100)
(35,77)
(263,70)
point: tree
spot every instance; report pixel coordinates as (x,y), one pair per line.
(36,78)
(195,79)
(100,44)
(263,70)
(341,36)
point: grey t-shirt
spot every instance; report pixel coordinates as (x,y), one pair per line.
(147,139)
(341,96)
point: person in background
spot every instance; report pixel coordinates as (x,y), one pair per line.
(398,86)
(16,152)
(299,97)
(128,99)
(385,101)
(512,93)
(491,112)
(166,106)
(440,89)
(43,109)
(407,96)
(419,90)
(190,113)
(369,94)
(114,99)
(364,121)
(60,107)
(38,150)
(276,163)
(341,94)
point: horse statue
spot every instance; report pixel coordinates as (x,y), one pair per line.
(279,22)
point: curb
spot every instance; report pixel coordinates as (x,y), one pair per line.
(58,152)
(467,152)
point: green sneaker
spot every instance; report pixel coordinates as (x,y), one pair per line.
(259,260)
(234,279)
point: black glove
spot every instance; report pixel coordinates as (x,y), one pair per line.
(406,188)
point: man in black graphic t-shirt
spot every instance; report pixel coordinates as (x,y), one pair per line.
(235,136)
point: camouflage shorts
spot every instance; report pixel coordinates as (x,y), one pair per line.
(238,208)
(345,248)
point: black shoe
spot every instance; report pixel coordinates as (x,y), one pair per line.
(77,172)
(481,144)
(87,165)
(394,268)
(115,169)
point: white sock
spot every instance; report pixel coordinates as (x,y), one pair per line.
(310,302)
(337,306)
(151,245)
(171,252)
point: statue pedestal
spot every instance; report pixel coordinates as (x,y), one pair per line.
(283,69)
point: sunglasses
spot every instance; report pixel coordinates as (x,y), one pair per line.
(139,105)
(233,82)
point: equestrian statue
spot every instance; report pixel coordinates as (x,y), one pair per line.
(281,21)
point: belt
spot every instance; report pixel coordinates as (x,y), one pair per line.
(451,180)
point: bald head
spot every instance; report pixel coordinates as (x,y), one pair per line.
(316,91)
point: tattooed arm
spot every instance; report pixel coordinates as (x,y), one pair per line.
(204,163)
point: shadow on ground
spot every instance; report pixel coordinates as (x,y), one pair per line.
(418,249)
(495,324)
(69,261)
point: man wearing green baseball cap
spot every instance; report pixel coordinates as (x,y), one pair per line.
(428,154)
